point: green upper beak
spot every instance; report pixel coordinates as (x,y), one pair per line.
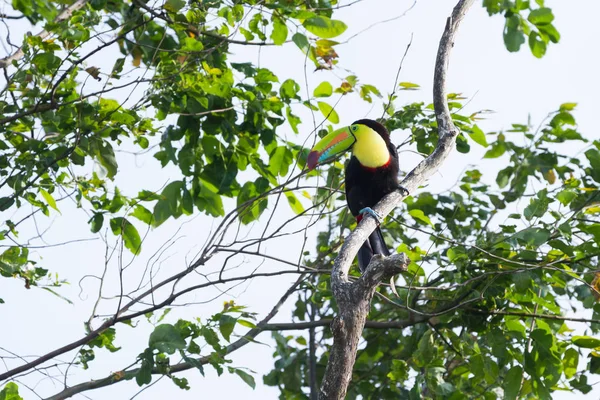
(330,146)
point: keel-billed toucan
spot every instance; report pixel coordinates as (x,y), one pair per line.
(371,173)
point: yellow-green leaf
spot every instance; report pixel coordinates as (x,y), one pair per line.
(328,112)
(49,199)
(323,90)
(325,27)
(295,204)
(478,136)
(419,215)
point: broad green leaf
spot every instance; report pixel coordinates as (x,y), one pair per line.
(513,35)
(497,150)
(10,392)
(96,222)
(226,325)
(174,5)
(566,196)
(249,379)
(144,375)
(324,27)
(328,112)
(131,237)
(537,45)
(46,62)
(294,203)
(586,342)
(301,41)
(420,216)
(143,214)
(533,236)
(49,199)
(323,90)
(106,157)
(541,16)
(478,136)
(570,362)
(166,339)
(512,382)
(280,31)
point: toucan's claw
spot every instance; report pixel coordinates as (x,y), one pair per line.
(403,191)
(372,213)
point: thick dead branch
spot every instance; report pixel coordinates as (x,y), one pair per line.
(66,14)
(354,299)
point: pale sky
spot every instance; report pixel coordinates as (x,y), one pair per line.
(513,85)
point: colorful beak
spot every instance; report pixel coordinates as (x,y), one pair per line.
(330,146)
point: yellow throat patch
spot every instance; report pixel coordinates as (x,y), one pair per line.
(370,149)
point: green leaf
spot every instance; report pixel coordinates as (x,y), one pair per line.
(514,325)
(420,216)
(49,199)
(106,157)
(46,62)
(570,362)
(280,31)
(130,235)
(323,90)
(497,150)
(226,325)
(408,86)
(249,379)
(537,45)
(566,196)
(96,222)
(143,214)
(568,106)
(294,203)
(533,236)
(174,5)
(182,383)
(541,16)
(10,392)
(586,342)
(513,35)
(247,195)
(478,136)
(324,27)
(280,160)
(512,382)
(166,339)
(169,203)
(144,375)
(301,41)
(6,203)
(537,207)
(328,112)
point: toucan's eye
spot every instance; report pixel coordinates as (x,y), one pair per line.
(354,128)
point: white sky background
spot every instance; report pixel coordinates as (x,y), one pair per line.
(33,322)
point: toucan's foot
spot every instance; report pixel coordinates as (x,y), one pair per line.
(403,191)
(372,213)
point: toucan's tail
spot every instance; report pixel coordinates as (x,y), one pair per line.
(374,245)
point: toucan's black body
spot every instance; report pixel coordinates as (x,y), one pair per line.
(366,186)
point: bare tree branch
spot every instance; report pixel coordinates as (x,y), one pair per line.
(127,375)
(354,298)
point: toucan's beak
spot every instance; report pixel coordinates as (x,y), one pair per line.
(330,146)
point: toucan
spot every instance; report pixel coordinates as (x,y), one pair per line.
(371,173)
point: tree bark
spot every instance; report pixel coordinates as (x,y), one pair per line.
(354,298)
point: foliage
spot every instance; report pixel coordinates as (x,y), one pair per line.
(493,259)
